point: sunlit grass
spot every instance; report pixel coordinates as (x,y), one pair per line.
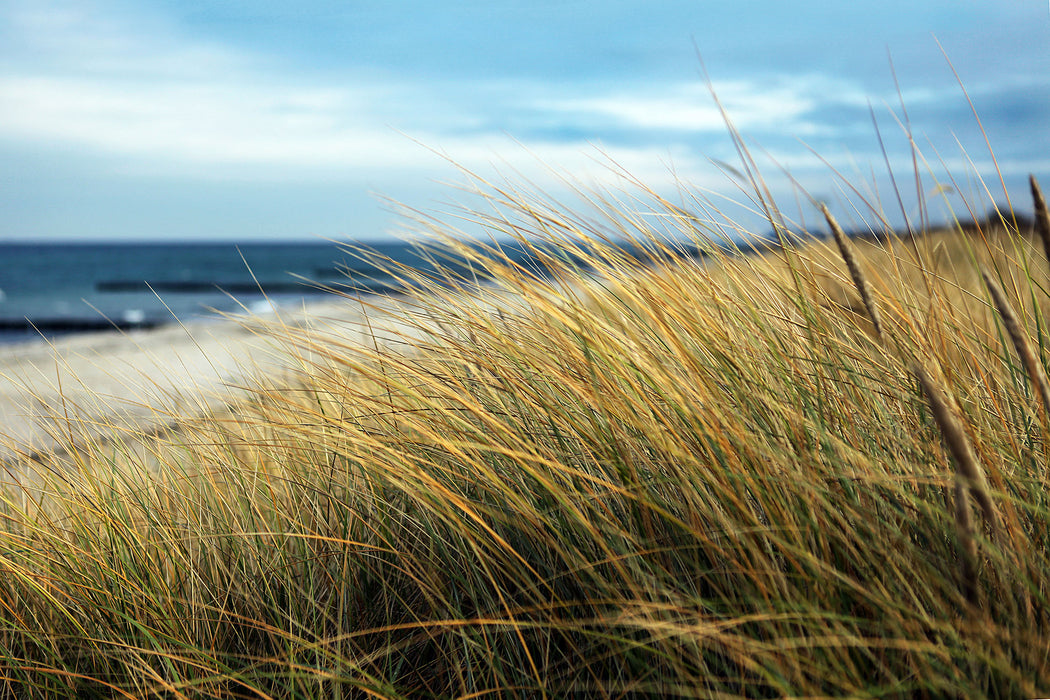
(716,477)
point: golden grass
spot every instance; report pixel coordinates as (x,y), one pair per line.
(638,476)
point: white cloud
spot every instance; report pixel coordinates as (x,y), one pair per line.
(132,87)
(148,99)
(691,107)
(89,37)
(198,122)
(276,131)
(140,92)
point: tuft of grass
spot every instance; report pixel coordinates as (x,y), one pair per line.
(620,471)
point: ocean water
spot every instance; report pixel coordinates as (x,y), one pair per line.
(53,289)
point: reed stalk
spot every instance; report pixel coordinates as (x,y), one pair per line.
(1031,363)
(964,531)
(859,280)
(954,434)
(1042,216)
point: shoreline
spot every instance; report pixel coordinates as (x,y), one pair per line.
(83,385)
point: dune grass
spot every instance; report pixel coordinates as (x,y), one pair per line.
(817,471)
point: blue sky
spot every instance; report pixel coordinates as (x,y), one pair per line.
(247,119)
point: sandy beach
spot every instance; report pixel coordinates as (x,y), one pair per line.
(144,379)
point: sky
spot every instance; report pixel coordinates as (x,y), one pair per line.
(252,120)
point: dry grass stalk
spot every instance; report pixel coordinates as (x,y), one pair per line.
(1042,217)
(863,288)
(955,437)
(1024,350)
(967,543)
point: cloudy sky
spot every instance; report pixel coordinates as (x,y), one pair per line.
(257,119)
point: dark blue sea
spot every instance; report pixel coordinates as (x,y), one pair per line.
(53,289)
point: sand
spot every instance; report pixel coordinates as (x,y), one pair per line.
(145,379)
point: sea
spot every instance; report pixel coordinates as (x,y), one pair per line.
(48,290)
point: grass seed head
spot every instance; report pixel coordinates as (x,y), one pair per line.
(1024,349)
(1042,217)
(967,543)
(958,443)
(863,288)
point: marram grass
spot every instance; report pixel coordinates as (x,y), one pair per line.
(736,477)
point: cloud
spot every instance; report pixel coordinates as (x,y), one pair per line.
(207,123)
(133,87)
(691,108)
(141,95)
(93,37)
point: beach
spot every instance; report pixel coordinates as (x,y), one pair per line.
(148,379)
(147,372)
